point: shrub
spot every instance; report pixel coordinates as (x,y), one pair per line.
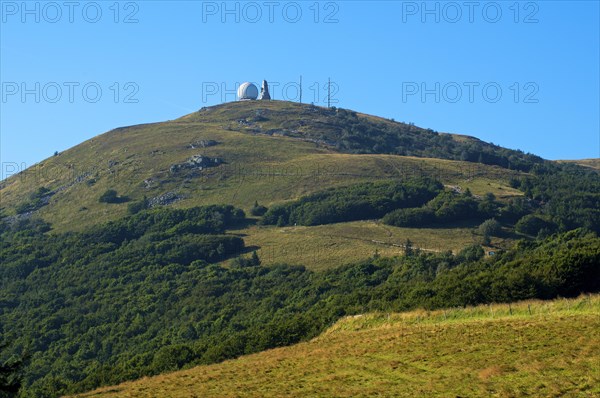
(111,196)
(171,357)
(532,225)
(488,207)
(414,217)
(136,207)
(241,262)
(489,227)
(258,210)
(470,253)
(450,207)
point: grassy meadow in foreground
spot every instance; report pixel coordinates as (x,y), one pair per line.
(533,348)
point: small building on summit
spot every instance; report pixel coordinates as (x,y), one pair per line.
(249,92)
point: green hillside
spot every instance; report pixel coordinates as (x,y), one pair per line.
(527,349)
(271,151)
(268,152)
(145,295)
(253,225)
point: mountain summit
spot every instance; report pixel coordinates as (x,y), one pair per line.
(242,152)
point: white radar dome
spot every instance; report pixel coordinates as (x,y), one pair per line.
(247,91)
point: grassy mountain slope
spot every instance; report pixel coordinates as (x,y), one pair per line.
(529,348)
(273,151)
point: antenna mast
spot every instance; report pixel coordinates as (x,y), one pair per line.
(300,88)
(329,93)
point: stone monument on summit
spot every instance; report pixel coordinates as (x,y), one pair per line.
(264,91)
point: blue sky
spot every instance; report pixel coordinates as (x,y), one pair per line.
(524,75)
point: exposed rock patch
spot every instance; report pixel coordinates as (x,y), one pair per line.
(196,162)
(202,144)
(164,199)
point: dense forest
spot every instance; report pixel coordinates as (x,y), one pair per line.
(144,294)
(557,198)
(355,202)
(566,195)
(90,314)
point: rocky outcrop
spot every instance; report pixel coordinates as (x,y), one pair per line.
(202,144)
(196,162)
(164,199)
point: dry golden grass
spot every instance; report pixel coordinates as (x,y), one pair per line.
(528,349)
